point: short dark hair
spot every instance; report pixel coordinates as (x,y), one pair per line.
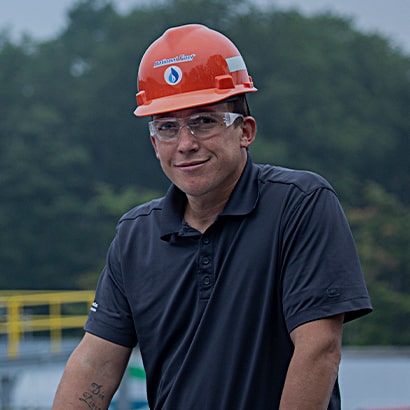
(240,105)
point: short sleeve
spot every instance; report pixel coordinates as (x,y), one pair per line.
(321,274)
(110,315)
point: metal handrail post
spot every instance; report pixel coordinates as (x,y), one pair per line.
(55,331)
(13,313)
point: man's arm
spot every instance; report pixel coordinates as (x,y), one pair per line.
(92,375)
(314,365)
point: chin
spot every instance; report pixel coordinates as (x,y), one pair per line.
(192,190)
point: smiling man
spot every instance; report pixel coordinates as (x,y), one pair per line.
(236,284)
(203,152)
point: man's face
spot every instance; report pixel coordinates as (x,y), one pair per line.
(208,167)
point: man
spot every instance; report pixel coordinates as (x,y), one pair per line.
(236,284)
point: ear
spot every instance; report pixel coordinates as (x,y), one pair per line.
(154,144)
(248,131)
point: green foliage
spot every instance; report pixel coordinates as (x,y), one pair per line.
(333,96)
(382,232)
(73,157)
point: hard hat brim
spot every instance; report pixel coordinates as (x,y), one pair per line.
(192,99)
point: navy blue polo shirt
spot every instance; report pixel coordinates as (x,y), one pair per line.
(212,312)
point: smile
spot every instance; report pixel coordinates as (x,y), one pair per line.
(191,164)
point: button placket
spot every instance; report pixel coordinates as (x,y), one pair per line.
(205,273)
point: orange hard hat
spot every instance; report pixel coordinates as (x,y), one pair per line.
(189,66)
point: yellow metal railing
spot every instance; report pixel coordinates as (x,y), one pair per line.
(35,311)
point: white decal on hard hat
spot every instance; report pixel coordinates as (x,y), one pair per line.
(173,75)
(182,58)
(235,63)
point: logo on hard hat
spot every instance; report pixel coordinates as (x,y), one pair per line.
(173,75)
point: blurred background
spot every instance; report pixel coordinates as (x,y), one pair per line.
(334,98)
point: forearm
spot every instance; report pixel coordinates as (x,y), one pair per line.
(309,383)
(81,387)
(314,366)
(91,377)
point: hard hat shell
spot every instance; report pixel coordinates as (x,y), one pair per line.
(189,66)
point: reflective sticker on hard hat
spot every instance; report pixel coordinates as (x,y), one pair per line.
(173,75)
(235,64)
(182,58)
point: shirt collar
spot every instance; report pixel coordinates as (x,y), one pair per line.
(245,195)
(242,201)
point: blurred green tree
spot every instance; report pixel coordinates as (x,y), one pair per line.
(73,157)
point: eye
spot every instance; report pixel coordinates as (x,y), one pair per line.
(204,120)
(166,126)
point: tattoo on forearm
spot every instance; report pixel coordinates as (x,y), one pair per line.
(94,396)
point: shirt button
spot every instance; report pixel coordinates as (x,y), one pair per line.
(206,281)
(205,260)
(205,240)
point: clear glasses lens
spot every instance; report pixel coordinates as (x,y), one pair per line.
(201,125)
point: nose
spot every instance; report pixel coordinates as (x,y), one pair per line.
(186,139)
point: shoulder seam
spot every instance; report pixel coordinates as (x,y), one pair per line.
(132,215)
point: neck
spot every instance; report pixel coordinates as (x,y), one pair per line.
(200,215)
(202,210)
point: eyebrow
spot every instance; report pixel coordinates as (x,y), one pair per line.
(195,110)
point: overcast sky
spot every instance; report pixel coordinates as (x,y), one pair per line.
(43,19)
